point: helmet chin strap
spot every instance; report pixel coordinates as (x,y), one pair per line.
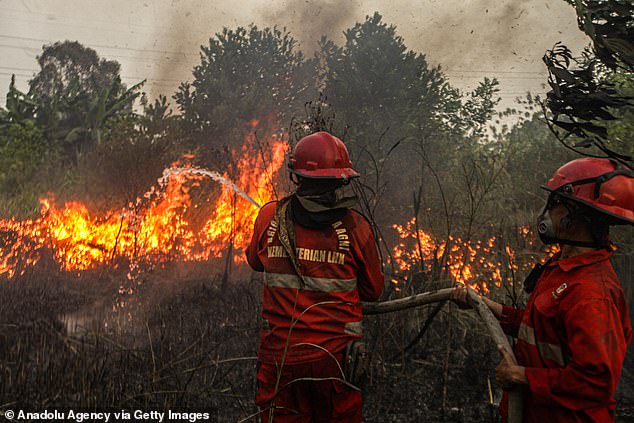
(548,236)
(587,244)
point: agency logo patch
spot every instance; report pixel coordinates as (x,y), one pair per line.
(557,292)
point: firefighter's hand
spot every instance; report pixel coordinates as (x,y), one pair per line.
(507,373)
(459,296)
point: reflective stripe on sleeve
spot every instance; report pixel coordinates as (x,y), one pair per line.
(281,280)
(546,350)
(526,334)
(353,328)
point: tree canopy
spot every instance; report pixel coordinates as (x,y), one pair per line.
(244,74)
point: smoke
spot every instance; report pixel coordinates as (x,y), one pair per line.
(185,25)
(469,39)
(479,34)
(179,35)
(309,20)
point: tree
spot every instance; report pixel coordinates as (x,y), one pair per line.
(399,114)
(23,152)
(73,100)
(136,150)
(76,93)
(245,74)
(531,154)
(377,85)
(584,98)
(609,25)
(20,109)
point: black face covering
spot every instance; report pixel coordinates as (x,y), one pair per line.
(314,220)
(318,204)
(546,227)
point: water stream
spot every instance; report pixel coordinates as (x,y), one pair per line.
(210,174)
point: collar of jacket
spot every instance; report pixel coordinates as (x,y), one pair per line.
(315,203)
(315,220)
(580,260)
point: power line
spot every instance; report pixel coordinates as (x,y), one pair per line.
(492,71)
(447,71)
(107,28)
(72,18)
(120,56)
(452,73)
(495,73)
(15,37)
(19,47)
(139,78)
(501,77)
(166,83)
(131,77)
(15,73)
(18,69)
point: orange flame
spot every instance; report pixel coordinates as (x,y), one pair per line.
(479,264)
(259,182)
(155,229)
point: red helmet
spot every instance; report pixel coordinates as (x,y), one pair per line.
(321,155)
(604,185)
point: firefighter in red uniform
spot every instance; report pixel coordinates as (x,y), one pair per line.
(575,328)
(310,319)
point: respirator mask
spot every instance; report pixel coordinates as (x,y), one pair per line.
(545,226)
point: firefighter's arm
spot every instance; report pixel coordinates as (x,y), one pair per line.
(254,246)
(370,280)
(509,317)
(507,373)
(597,349)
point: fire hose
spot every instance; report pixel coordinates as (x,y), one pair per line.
(516,402)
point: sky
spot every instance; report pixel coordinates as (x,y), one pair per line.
(160,40)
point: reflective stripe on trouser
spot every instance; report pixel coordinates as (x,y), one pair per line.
(282,280)
(546,350)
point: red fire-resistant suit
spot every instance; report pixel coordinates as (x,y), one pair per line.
(340,267)
(571,338)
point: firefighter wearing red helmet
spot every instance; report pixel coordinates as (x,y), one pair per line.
(574,330)
(320,260)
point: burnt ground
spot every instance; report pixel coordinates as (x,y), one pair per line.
(188,342)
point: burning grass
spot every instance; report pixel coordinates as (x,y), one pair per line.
(162,226)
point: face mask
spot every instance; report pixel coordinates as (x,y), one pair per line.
(545,228)
(328,201)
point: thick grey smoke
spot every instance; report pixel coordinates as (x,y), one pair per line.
(501,38)
(161,40)
(482,34)
(309,20)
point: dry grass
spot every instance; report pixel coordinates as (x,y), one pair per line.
(182,342)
